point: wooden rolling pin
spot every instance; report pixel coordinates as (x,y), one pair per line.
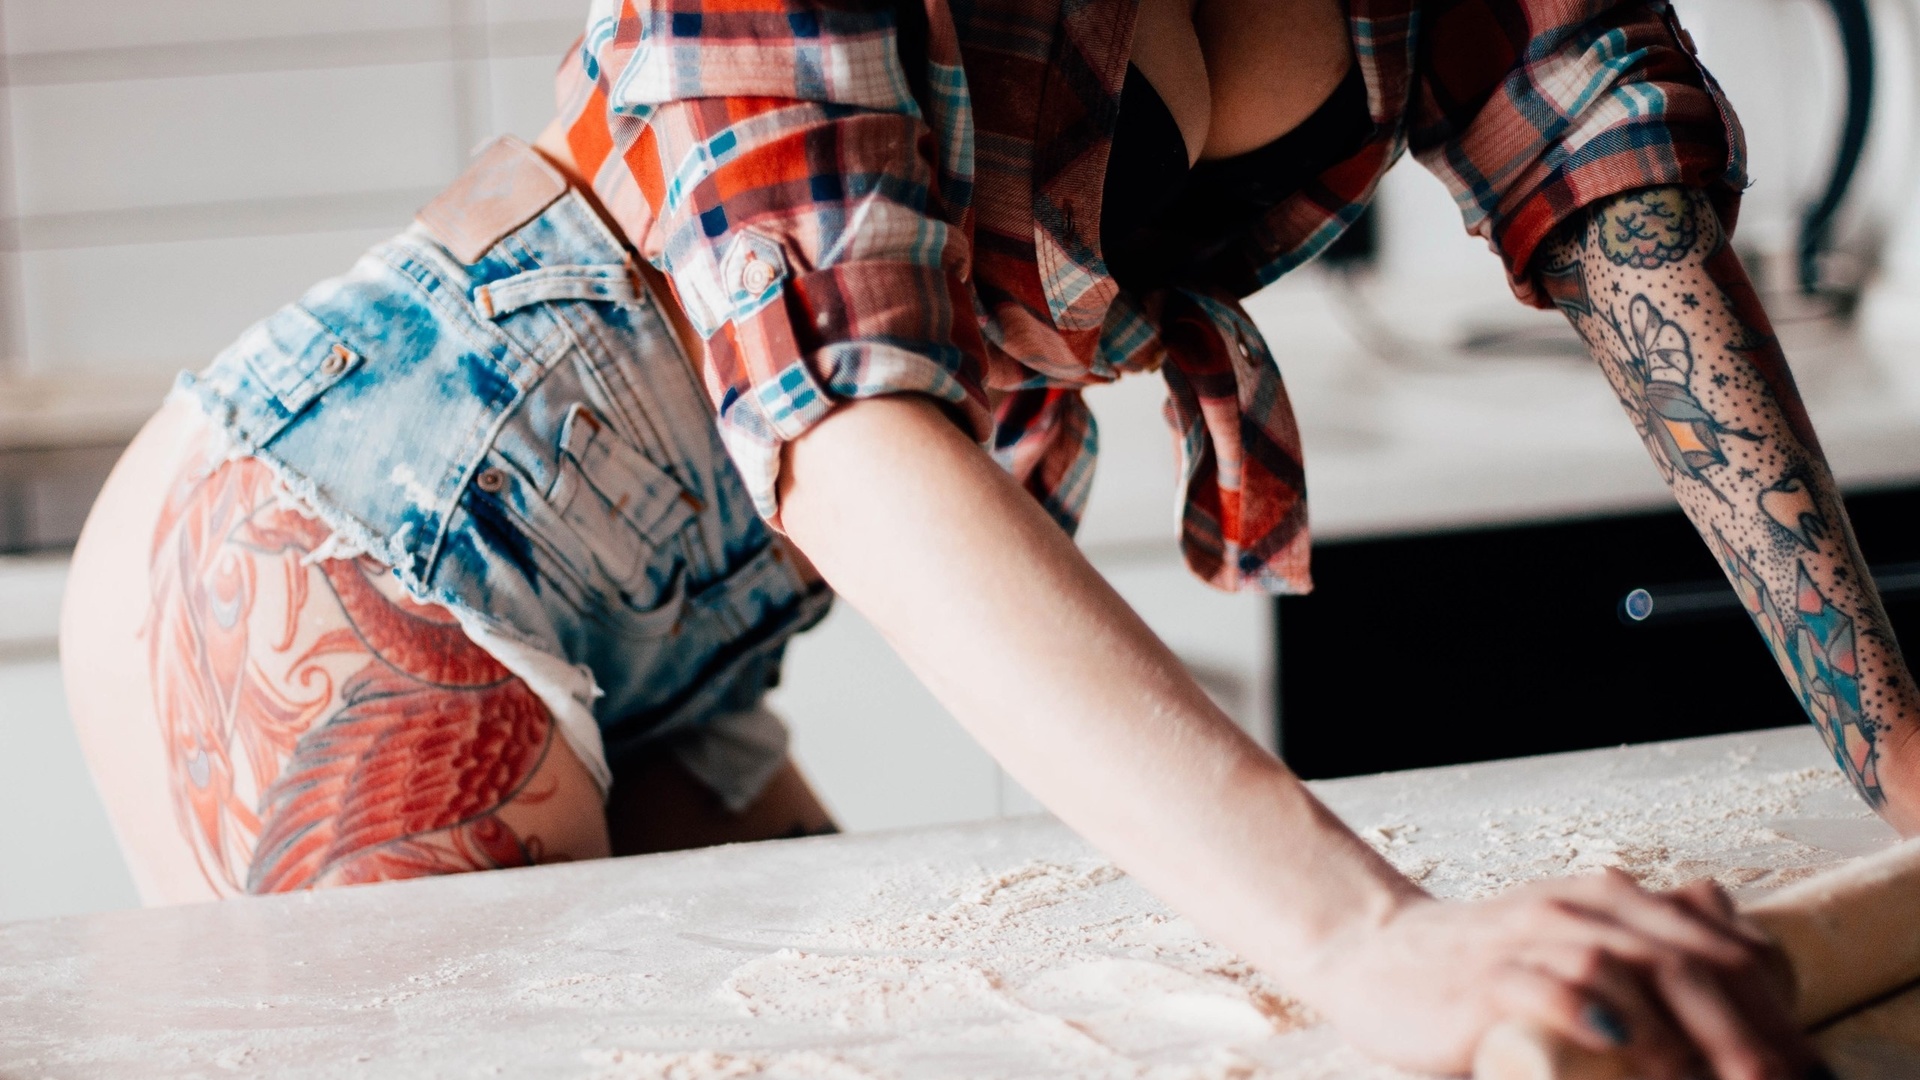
(1850,935)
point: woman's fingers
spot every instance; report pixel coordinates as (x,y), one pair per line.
(1673,922)
(1621,1008)
(1766,1003)
(1725,1033)
(1710,901)
(1674,982)
(1559,1007)
(1762,992)
(1691,959)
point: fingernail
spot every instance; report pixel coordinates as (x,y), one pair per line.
(1609,1026)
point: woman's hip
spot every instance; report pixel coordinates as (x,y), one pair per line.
(508,443)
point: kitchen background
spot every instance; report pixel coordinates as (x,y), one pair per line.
(170,172)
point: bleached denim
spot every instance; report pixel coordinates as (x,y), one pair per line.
(523,442)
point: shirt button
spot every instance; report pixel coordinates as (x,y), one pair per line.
(336,361)
(491,481)
(758,276)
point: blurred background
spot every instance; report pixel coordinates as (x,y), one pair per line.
(171,172)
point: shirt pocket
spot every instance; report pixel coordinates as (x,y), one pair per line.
(627,513)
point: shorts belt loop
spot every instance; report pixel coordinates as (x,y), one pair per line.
(604,284)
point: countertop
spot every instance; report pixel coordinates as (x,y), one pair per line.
(999,949)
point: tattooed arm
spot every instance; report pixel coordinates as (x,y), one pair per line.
(1652,286)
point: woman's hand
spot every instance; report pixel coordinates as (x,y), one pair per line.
(1673,979)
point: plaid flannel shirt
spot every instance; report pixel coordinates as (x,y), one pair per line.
(838,227)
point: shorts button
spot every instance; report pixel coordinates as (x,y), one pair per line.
(336,361)
(491,481)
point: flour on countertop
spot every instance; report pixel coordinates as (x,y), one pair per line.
(997,950)
(1728,814)
(715,1065)
(1055,958)
(1075,966)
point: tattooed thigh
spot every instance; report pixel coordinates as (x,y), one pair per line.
(323,728)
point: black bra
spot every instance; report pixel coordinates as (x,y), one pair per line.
(1159,219)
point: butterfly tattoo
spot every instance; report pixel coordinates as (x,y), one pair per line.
(1655,371)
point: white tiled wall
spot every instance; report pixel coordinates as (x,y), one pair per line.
(173,171)
(57,855)
(200,139)
(147,310)
(39,26)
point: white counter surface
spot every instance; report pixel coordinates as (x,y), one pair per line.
(1002,949)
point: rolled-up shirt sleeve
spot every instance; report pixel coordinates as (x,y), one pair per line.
(782,178)
(1532,112)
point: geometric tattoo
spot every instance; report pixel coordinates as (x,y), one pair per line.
(1817,649)
(368,741)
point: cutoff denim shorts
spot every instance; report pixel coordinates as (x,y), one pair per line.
(506,419)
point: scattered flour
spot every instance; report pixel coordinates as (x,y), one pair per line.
(1066,961)
(864,993)
(715,1065)
(1728,816)
(592,990)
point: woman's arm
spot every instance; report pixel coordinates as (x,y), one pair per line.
(992,606)
(1664,305)
(996,610)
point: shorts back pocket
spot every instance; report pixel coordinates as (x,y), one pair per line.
(623,507)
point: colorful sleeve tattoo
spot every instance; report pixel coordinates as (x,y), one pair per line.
(1664,305)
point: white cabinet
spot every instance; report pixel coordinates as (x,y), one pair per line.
(57,853)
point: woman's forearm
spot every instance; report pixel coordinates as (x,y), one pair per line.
(1665,306)
(998,613)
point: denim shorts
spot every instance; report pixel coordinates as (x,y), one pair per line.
(493,405)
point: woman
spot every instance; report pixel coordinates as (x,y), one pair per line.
(451,551)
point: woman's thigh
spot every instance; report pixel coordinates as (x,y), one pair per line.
(261,717)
